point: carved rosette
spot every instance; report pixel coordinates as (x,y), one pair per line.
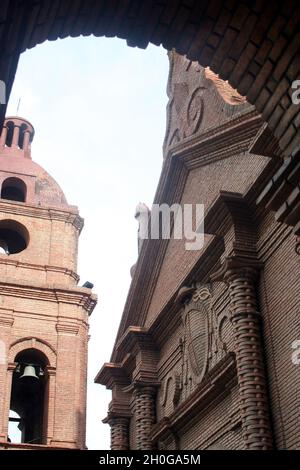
(194,111)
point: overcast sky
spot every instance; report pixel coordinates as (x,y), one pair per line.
(99,112)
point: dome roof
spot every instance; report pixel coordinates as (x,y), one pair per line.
(15,162)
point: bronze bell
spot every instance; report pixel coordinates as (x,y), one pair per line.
(29,371)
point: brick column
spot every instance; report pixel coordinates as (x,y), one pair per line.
(246,321)
(16,134)
(119,432)
(3,136)
(145,415)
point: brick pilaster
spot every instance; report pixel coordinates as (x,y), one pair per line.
(145,415)
(246,321)
(119,433)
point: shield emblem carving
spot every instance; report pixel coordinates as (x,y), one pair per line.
(196,332)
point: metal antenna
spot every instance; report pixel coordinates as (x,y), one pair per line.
(18,107)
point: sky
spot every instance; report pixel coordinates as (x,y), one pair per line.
(99,112)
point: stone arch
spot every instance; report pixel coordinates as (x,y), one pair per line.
(253,45)
(32,343)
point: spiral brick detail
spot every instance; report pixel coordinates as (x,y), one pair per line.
(253,397)
(119,433)
(144,409)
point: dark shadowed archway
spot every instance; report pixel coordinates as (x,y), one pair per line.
(253,45)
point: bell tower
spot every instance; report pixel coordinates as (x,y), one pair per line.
(43,312)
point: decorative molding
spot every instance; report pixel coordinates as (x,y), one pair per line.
(67,328)
(138,342)
(218,142)
(31,342)
(6,317)
(112,374)
(76,296)
(68,215)
(264,143)
(5,260)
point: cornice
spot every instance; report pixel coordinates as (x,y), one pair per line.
(135,338)
(77,296)
(68,215)
(218,142)
(264,143)
(228,209)
(112,374)
(6,260)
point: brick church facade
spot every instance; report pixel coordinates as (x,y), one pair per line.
(43,313)
(203,355)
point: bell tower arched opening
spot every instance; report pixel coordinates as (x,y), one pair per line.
(13,189)
(28,397)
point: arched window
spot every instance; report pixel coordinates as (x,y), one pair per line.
(14,237)
(28,397)
(14,189)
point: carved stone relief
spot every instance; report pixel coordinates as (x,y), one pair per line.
(197,99)
(204,342)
